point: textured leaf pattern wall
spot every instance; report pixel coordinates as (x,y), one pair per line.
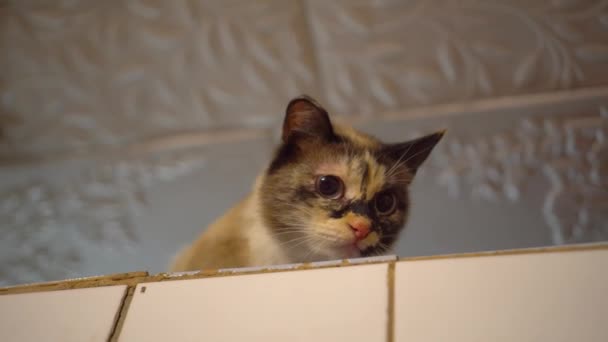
(569,152)
(114,72)
(391,54)
(103,103)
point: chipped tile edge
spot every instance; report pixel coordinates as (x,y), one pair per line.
(77,283)
(287,267)
(256,269)
(180,274)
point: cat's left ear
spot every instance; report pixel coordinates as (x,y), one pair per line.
(414,152)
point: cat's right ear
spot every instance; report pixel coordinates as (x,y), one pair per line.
(304,117)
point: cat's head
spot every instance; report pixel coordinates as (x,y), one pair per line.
(332,192)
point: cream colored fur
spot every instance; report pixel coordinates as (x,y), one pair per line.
(237,239)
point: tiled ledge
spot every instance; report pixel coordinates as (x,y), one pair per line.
(539,294)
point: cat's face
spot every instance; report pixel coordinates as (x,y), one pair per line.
(332,192)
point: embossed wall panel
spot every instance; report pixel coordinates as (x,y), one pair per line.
(126,126)
(502,178)
(528,175)
(108,215)
(377,55)
(78,74)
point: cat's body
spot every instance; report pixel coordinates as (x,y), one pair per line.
(330,192)
(238,239)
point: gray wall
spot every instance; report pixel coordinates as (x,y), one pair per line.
(127,126)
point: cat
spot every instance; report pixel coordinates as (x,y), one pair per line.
(330,192)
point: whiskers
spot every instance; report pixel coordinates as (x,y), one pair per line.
(310,244)
(306,246)
(314,248)
(297,241)
(297,208)
(380,248)
(377,250)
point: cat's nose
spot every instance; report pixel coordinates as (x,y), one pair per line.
(360,228)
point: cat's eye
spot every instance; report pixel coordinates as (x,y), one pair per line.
(330,187)
(385,203)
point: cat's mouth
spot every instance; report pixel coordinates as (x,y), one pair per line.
(345,247)
(357,248)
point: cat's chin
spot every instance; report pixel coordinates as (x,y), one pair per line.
(350,251)
(346,252)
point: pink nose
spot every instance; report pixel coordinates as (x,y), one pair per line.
(360,228)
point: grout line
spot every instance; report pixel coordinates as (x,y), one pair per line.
(594,96)
(175,141)
(390,322)
(122,313)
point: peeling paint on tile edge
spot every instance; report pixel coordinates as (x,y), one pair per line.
(103,281)
(532,250)
(286,267)
(180,274)
(135,278)
(258,268)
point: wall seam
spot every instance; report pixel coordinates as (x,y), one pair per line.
(390,322)
(122,314)
(235,135)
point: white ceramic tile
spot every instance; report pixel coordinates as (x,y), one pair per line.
(332,304)
(71,315)
(534,297)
